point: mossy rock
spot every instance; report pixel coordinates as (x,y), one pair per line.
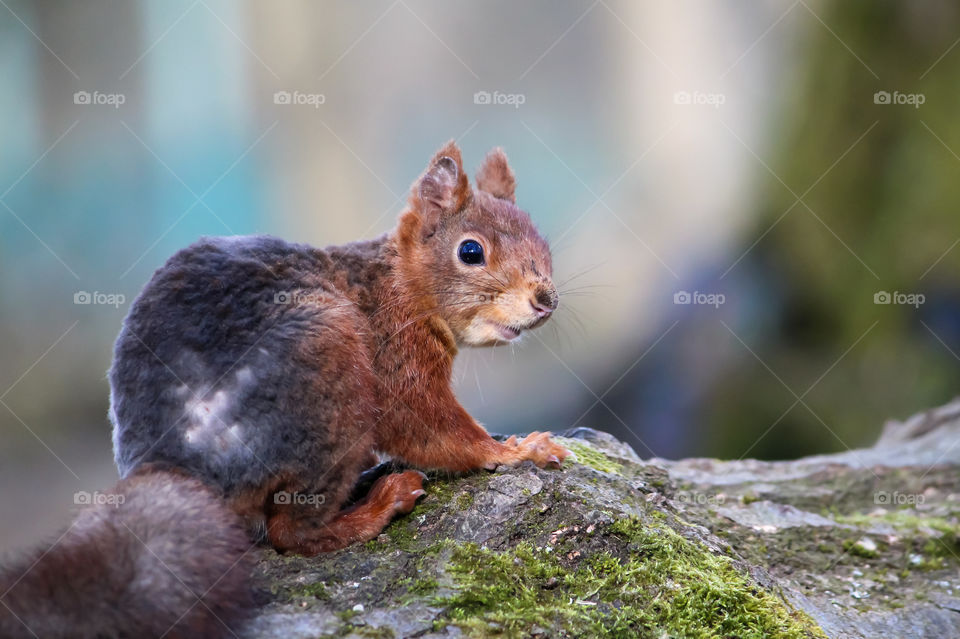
(612,546)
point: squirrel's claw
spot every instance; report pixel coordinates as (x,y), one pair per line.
(536,447)
(401,490)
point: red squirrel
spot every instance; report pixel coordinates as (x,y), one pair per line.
(255,379)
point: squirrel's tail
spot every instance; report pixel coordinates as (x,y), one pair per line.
(159,556)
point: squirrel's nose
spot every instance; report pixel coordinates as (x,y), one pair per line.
(545,301)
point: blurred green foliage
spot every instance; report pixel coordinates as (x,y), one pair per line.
(879,185)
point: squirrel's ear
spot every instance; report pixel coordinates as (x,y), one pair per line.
(443,187)
(495,176)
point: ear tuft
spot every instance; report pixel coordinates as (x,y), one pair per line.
(443,188)
(496,177)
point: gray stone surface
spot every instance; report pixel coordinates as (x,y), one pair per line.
(865,542)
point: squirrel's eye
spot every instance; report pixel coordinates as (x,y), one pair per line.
(471,252)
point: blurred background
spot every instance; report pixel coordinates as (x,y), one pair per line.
(753,205)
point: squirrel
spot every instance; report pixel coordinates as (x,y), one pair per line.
(254,380)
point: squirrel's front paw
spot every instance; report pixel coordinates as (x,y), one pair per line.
(536,447)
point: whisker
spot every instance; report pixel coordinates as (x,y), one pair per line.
(496,279)
(414,320)
(580,274)
(586,287)
(580,294)
(404,299)
(572,315)
(476,376)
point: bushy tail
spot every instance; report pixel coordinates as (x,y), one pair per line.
(161,556)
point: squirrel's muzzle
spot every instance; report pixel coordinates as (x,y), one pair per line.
(545,301)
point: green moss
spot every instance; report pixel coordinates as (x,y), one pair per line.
(902,519)
(441,489)
(642,582)
(348,629)
(589,456)
(424,586)
(302,592)
(382,632)
(464,501)
(936,555)
(449,494)
(749,498)
(441,493)
(401,533)
(856,547)
(316,590)
(347,615)
(937,552)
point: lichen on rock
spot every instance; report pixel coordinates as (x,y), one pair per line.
(612,546)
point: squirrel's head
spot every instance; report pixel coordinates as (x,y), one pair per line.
(472,254)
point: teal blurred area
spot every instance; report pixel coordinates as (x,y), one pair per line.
(727,187)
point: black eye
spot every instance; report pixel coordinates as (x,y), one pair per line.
(471,252)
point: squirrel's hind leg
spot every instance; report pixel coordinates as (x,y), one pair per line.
(292,528)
